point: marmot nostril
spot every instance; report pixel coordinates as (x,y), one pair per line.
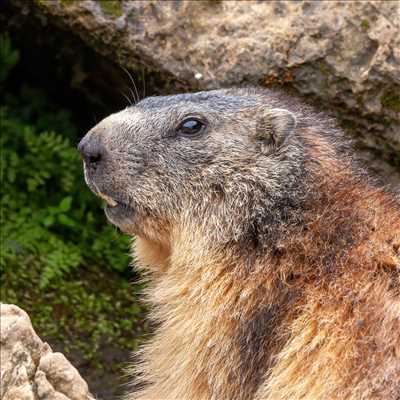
(91,150)
(95,158)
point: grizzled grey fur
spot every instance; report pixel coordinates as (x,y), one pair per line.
(249,155)
(263,245)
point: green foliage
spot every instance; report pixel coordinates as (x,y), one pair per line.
(82,313)
(47,210)
(60,260)
(8,56)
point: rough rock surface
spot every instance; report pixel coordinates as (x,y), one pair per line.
(343,54)
(29,368)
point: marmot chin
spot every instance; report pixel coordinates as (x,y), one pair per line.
(273,260)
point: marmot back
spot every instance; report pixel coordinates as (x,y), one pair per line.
(273,260)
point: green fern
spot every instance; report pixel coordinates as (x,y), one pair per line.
(47,210)
(60,260)
(49,217)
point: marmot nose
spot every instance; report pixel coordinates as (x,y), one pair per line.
(92,151)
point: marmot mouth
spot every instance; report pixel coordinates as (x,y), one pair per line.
(117,212)
(93,187)
(120,215)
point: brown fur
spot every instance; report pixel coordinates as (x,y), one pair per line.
(330,303)
(310,310)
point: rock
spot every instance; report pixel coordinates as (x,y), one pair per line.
(343,55)
(29,368)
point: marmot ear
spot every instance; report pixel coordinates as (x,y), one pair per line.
(273,127)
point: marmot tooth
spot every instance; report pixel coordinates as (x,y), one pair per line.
(111,202)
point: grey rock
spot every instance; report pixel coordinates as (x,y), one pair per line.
(29,368)
(344,55)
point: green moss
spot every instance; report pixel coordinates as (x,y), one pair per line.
(40,3)
(111,7)
(391,100)
(365,24)
(68,2)
(323,68)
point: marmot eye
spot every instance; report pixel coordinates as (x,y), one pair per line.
(190,127)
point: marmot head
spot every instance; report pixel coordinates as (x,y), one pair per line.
(230,160)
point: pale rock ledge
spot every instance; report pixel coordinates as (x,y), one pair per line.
(30,370)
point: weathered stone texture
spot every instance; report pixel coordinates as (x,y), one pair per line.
(343,54)
(29,368)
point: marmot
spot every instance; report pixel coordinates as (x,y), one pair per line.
(273,260)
